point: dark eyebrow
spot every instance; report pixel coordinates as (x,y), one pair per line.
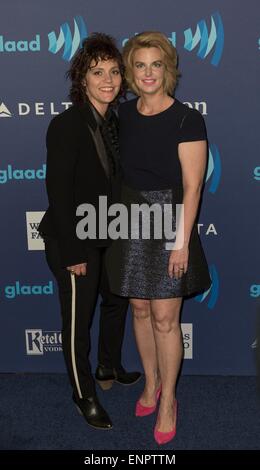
(102,68)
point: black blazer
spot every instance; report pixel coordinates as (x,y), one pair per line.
(76,173)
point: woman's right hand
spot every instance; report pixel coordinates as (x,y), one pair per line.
(178,262)
(78,269)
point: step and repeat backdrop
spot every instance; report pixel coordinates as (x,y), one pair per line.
(218,43)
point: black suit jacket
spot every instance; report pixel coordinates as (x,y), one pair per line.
(76,173)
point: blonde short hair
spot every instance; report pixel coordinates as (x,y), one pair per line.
(152,39)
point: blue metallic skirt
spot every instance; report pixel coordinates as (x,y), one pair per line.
(138,268)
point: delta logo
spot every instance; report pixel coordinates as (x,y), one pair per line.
(68,38)
(4,111)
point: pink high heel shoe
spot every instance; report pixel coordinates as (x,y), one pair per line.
(164,437)
(141,410)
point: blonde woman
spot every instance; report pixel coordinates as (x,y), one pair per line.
(163,149)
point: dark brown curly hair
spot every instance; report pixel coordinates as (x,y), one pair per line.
(98,46)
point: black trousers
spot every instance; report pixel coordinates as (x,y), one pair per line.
(78,296)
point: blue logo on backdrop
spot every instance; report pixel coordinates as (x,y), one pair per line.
(208,41)
(17,174)
(255,290)
(214,168)
(20,46)
(71,44)
(212,293)
(257,173)
(18,289)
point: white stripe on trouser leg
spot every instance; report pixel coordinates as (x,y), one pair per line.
(72,338)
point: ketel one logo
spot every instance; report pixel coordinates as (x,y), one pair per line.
(70,43)
(207,40)
(39,342)
(211,295)
(214,169)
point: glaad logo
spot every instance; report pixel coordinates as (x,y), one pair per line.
(4,111)
(255,290)
(20,46)
(207,40)
(71,44)
(17,174)
(257,173)
(35,241)
(187,334)
(214,168)
(18,289)
(39,342)
(213,292)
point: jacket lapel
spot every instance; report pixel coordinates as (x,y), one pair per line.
(91,123)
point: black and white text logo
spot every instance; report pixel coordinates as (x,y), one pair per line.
(187,336)
(35,241)
(39,342)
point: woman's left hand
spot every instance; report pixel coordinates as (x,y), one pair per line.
(178,263)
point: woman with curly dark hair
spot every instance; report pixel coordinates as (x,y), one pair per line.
(82,165)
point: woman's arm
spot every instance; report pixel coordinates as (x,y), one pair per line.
(62,151)
(193,158)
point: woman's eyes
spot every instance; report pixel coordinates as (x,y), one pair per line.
(156,65)
(99,72)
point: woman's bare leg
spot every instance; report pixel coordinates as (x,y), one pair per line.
(147,349)
(169,345)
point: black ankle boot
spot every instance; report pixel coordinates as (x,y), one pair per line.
(93,412)
(106,377)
